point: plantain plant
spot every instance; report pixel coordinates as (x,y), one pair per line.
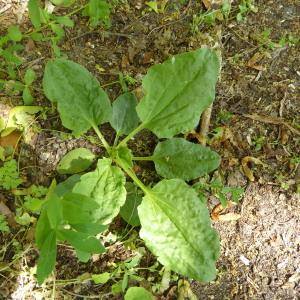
(175,222)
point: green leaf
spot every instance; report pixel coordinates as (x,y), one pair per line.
(81,241)
(116,288)
(129,210)
(65,20)
(178,158)
(83,256)
(125,154)
(153,5)
(36,36)
(89,228)
(76,161)
(27,96)
(29,76)
(176,228)
(77,208)
(54,210)
(65,3)
(67,185)
(124,115)
(42,229)
(138,293)
(58,30)
(9,175)
(97,11)
(33,204)
(14,33)
(34,13)
(47,259)
(19,118)
(101,278)
(82,103)
(178,91)
(106,186)
(3,224)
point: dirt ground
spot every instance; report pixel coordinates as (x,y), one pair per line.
(257,107)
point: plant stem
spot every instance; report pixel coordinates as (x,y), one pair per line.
(132,175)
(143,158)
(110,83)
(132,134)
(101,137)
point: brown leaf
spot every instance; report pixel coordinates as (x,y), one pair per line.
(11,140)
(218,213)
(5,211)
(252,62)
(247,171)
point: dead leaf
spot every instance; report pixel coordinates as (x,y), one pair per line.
(218,213)
(30,46)
(247,171)
(11,140)
(5,211)
(252,62)
(125,62)
(212,4)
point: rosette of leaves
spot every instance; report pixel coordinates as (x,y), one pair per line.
(175,223)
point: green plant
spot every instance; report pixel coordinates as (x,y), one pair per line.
(159,8)
(9,175)
(98,11)
(245,7)
(136,293)
(216,187)
(211,16)
(175,223)
(3,224)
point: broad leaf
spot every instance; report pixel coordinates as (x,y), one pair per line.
(129,210)
(176,228)
(47,259)
(106,186)
(81,102)
(78,208)
(54,209)
(81,241)
(76,161)
(125,155)
(42,229)
(67,185)
(178,91)
(83,256)
(89,228)
(138,293)
(178,158)
(124,115)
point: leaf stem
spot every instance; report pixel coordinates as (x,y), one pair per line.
(151,158)
(132,134)
(132,175)
(101,137)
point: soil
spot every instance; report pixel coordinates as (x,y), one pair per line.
(257,109)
